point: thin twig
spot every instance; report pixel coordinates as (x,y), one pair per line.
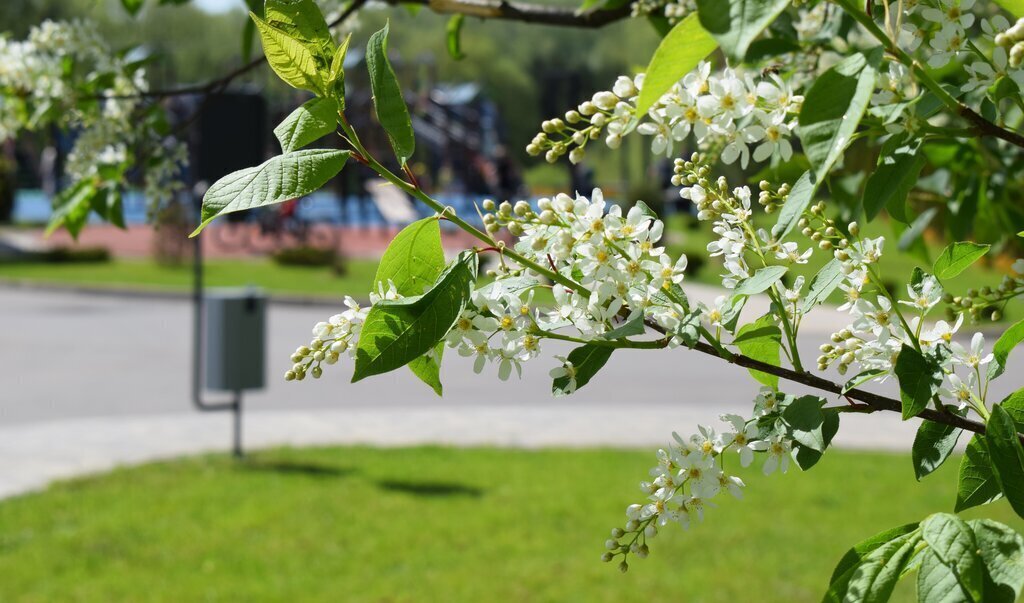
(218,85)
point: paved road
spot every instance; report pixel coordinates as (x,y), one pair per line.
(89,381)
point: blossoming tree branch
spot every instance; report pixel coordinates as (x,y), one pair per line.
(932,87)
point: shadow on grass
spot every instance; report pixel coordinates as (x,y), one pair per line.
(430,488)
(298,468)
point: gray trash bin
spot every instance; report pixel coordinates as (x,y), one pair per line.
(235,339)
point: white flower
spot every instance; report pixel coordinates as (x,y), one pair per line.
(778,455)
(975,357)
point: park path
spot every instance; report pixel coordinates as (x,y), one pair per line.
(94,381)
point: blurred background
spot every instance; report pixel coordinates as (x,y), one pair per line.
(377,491)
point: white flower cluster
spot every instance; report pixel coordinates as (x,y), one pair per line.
(617,259)
(731,213)
(672,10)
(338,335)
(882,325)
(729,111)
(692,473)
(37,88)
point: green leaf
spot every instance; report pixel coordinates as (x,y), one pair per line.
(1007,456)
(852,558)
(290,59)
(453,33)
(861,378)
(832,110)
(1004,345)
(1002,550)
(336,75)
(919,378)
(1014,406)
(71,208)
(427,368)
(936,581)
(313,120)
(823,284)
(932,446)
(735,23)
(760,281)
(874,578)
(397,332)
(952,540)
(132,6)
(414,259)
(278,179)
(1014,7)
(388,101)
(586,361)
(679,52)
(633,326)
(891,182)
(805,421)
(806,457)
(761,340)
(800,196)
(302,20)
(976,484)
(958,257)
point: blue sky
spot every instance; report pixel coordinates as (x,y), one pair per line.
(217,6)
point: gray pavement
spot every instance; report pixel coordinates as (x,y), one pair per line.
(88,382)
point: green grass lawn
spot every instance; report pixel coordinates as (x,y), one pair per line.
(313,281)
(442,524)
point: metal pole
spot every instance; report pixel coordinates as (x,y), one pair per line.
(235,404)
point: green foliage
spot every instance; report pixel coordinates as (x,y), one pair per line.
(735,23)
(1014,7)
(957,257)
(805,421)
(956,561)
(586,361)
(823,284)
(414,259)
(760,281)
(427,368)
(891,181)
(875,577)
(977,483)
(132,6)
(278,179)
(832,110)
(633,326)
(71,208)
(800,196)
(933,444)
(848,564)
(397,332)
(919,376)
(1003,346)
(293,61)
(388,101)
(1002,551)
(313,120)
(679,52)
(454,36)
(761,340)
(953,544)
(1007,456)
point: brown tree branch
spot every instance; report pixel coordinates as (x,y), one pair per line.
(524,12)
(875,401)
(483,9)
